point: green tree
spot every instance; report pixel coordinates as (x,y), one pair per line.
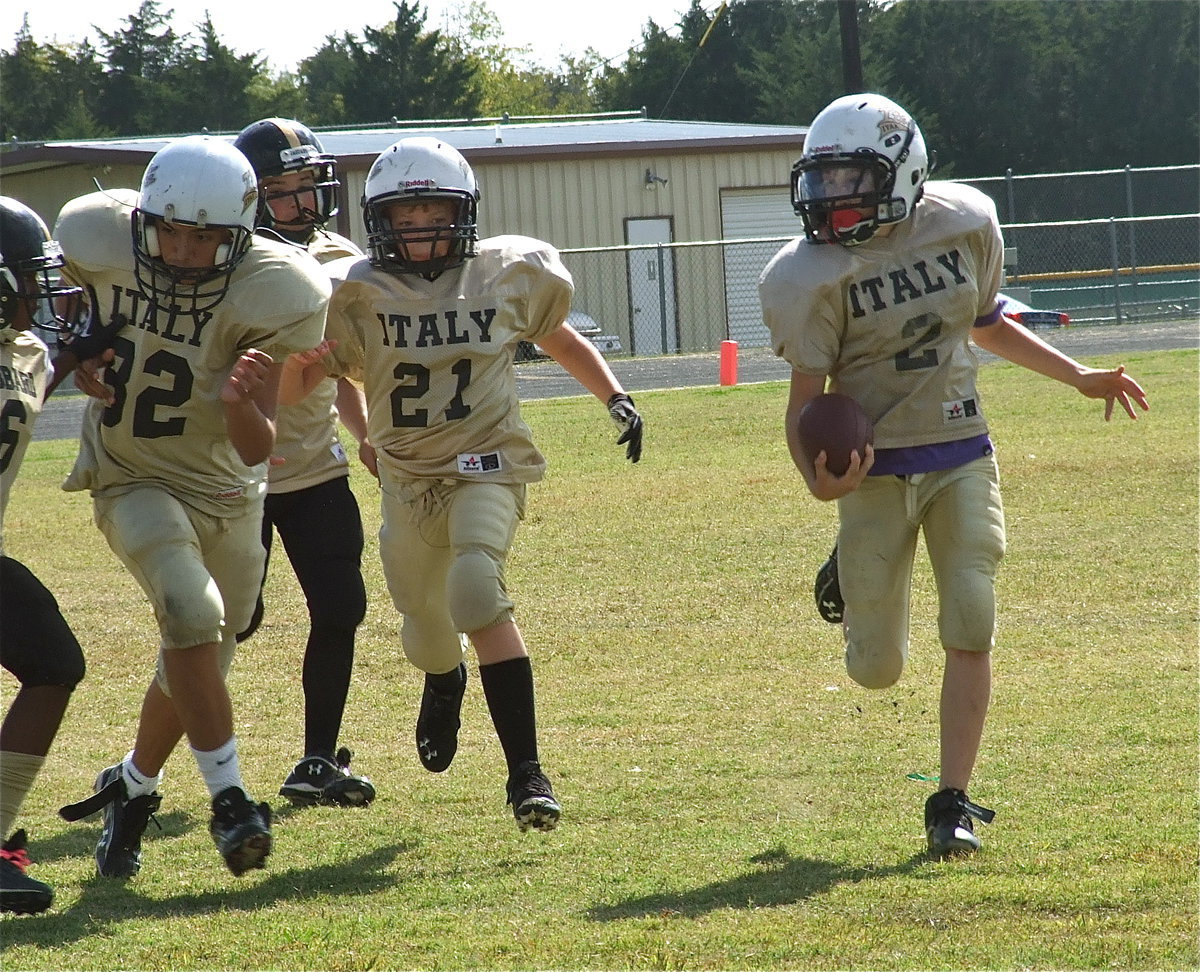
(1039,85)
(324,79)
(573,87)
(796,75)
(399,70)
(47,91)
(713,70)
(1138,108)
(208,85)
(653,73)
(26,84)
(79,86)
(139,59)
(275,96)
(508,80)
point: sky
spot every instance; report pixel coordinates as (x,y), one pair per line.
(298,29)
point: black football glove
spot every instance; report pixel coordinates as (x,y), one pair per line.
(95,337)
(620,407)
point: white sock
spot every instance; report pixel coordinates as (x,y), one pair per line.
(219,767)
(17,773)
(138,783)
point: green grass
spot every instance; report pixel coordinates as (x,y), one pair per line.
(731,799)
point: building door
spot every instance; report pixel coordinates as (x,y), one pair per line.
(654,327)
(746,214)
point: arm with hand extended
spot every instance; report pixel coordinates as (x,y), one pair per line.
(586,365)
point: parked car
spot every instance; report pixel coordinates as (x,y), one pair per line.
(1023,314)
(586,325)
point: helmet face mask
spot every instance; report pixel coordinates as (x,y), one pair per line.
(864,166)
(305,192)
(282,147)
(31,289)
(196,183)
(415,171)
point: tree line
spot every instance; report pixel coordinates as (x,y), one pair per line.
(1031,85)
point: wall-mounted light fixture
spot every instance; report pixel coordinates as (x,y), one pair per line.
(653,180)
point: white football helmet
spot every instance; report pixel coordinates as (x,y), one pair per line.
(419,168)
(864,165)
(196,181)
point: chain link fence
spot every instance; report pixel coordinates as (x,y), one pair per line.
(688,297)
(1099,194)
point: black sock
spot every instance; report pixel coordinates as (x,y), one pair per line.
(328,663)
(508,688)
(448,682)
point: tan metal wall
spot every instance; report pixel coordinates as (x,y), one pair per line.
(584,202)
(575,203)
(47,190)
(570,203)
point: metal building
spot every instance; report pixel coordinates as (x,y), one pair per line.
(577,182)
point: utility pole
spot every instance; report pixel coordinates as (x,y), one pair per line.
(852,77)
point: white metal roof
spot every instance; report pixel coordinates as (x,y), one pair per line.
(496,139)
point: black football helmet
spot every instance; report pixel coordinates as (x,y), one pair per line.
(276,146)
(29,261)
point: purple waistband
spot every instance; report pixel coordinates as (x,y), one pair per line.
(909,460)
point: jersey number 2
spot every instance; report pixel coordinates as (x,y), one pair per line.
(926,328)
(146,424)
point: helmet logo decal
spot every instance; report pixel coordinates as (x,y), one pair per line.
(892,122)
(297,154)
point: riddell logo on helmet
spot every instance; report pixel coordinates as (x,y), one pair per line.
(297,154)
(824,149)
(420,183)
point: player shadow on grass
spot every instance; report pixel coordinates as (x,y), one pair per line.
(104,902)
(779,879)
(80,841)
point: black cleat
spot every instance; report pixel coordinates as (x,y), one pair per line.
(19,893)
(319,780)
(827,591)
(948,827)
(532,798)
(241,829)
(346,789)
(119,850)
(438,723)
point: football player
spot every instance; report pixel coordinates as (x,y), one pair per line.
(430,320)
(881,297)
(36,644)
(309,500)
(174,453)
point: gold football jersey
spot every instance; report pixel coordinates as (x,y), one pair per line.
(306,434)
(890,320)
(24,373)
(436,357)
(167,426)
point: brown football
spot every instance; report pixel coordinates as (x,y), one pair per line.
(837,425)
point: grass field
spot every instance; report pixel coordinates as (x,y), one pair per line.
(731,799)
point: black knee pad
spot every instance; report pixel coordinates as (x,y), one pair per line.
(36,644)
